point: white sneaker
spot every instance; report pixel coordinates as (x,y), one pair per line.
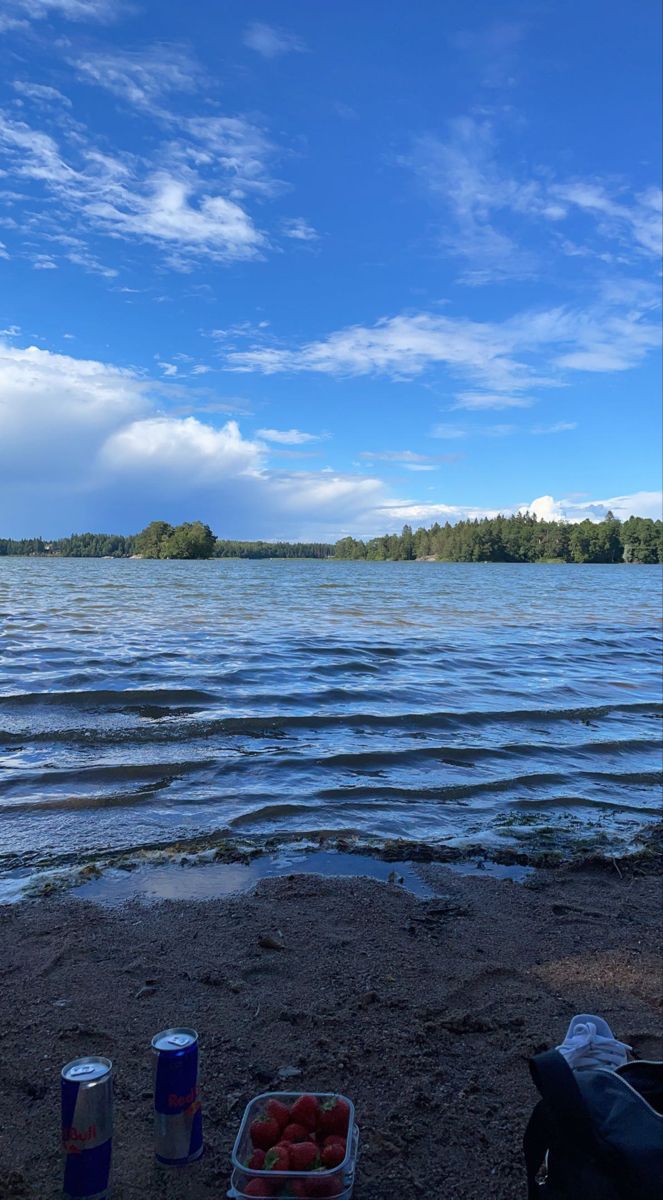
(590,1045)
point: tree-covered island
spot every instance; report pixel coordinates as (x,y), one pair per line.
(522,538)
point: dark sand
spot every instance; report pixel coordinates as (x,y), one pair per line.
(423,1011)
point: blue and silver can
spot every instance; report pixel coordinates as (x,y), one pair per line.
(87,1127)
(178,1118)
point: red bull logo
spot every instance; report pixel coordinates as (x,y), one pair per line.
(72,1134)
(186,1101)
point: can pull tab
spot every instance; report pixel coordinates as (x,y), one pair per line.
(85,1069)
(179,1039)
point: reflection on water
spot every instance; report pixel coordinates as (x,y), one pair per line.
(142,703)
(212,880)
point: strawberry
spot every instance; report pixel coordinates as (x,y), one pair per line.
(333,1137)
(306,1111)
(278,1158)
(256,1161)
(304,1157)
(258,1187)
(265,1132)
(333,1153)
(335,1116)
(279,1111)
(323,1186)
(295,1133)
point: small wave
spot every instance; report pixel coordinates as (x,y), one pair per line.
(133,697)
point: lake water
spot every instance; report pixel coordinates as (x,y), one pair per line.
(142,703)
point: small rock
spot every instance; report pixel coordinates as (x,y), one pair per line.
(144,991)
(289,1073)
(270,941)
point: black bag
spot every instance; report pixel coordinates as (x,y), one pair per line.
(602,1132)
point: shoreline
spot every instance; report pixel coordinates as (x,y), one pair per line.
(424,1011)
(535,852)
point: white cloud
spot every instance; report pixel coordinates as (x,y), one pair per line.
(452,432)
(287,437)
(532,349)
(83,442)
(463,172)
(40,93)
(392,515)
(637,504)
(480,401)
(56,410)
(558,427)
(409,459)
(70,10)
(271,42)
(166,200)
(636,221)
(177,446)
(141,77)
(299,229)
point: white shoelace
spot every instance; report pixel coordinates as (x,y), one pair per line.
(587,1050)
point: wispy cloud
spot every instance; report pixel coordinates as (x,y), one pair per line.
(448,432)
(19,12)
(558,427)
(629,220)
(506,359)
(480,198)
(299,229)
(271,42)
(185,201)
(287,437)
(140,77)
(40,93)
(491,431)
(409,459)
(480,401)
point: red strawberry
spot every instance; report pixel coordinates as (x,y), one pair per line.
(278,1158)
(258,1187)
(304,1157)
(335,1116)
(333,1137)
(306,1111)
(257,1160)
(279,1111)
(295,1133)
(265,1132)
(333,1153)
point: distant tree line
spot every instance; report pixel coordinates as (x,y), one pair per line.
(520,538)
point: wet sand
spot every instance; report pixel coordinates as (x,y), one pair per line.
(424,1011)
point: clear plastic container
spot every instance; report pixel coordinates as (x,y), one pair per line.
(283,1190)
(337,1182)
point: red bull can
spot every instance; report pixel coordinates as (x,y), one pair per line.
(87,1127)
(178,1118)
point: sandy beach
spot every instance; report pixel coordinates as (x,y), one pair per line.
(423,1011)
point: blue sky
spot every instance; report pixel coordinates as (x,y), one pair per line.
(307,269)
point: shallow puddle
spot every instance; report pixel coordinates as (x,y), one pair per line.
(208,881)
